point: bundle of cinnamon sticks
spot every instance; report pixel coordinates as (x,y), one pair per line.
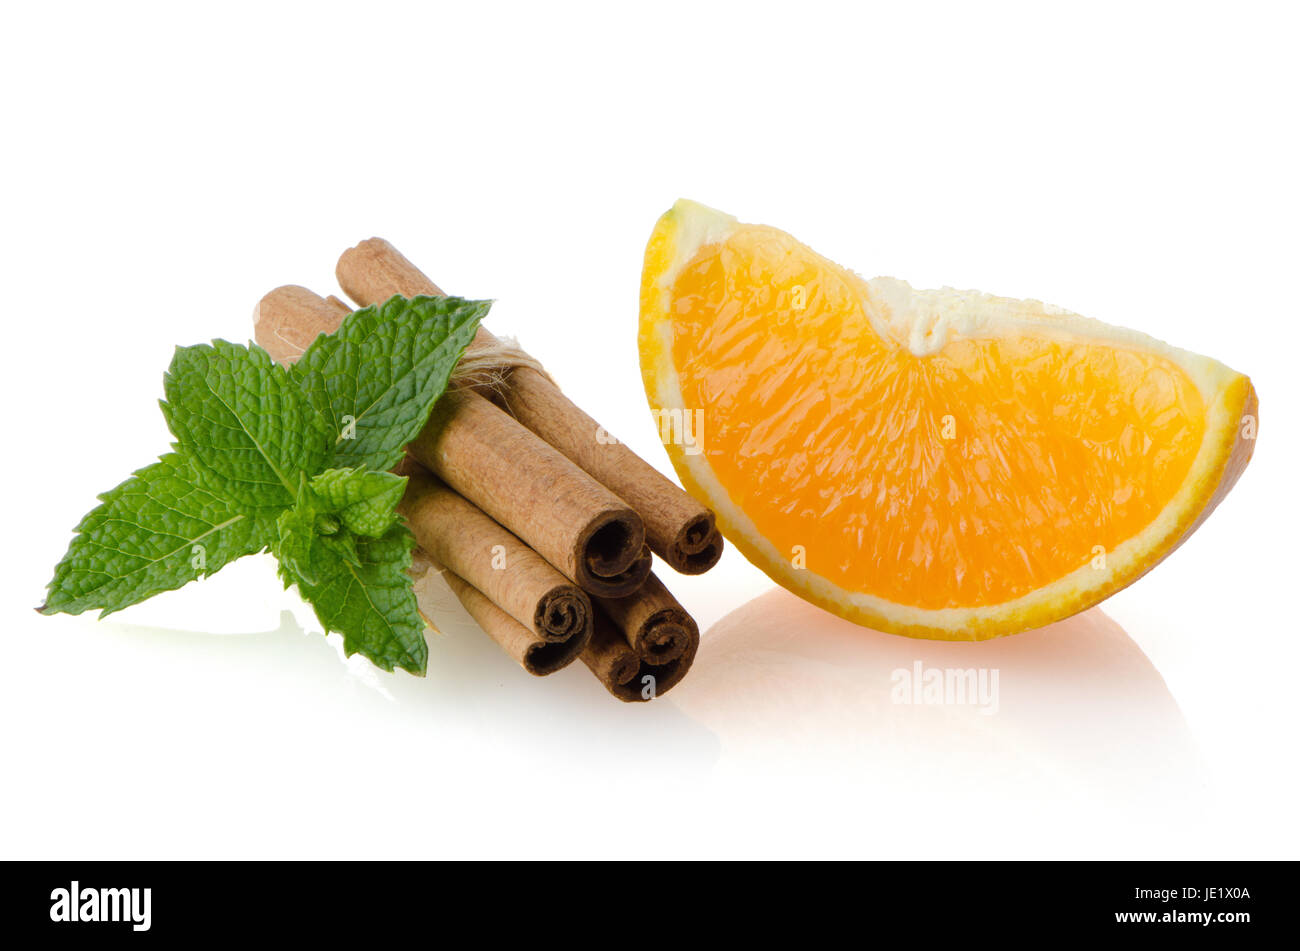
(542,528)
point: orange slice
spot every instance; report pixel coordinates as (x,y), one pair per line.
(942,464)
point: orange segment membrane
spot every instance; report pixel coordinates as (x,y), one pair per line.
(964,478)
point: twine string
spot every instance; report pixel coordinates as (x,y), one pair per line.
(488,366)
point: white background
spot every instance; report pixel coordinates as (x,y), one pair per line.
(162,169)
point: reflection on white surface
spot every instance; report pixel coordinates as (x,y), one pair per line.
(780,687)
(1075,703)
(785,733)
(471,685)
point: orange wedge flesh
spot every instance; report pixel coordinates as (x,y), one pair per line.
(936,463)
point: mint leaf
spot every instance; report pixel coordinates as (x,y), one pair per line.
(374,380)
(297,529)
(371,603)
(156,531)
(341,545)
(245,422)
(332,509)
(366,502)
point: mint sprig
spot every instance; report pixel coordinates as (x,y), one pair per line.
(333,510)
(372,602)
(291,461)
(342,546)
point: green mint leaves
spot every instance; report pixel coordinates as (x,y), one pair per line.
(342,546)
(408,350)
(288,460)
(332,510)
(364,501)
(244,422)
(158,530)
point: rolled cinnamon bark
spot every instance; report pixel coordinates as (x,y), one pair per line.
(625,673)
(629,581)
(457,535)
(535,654)
(679,529)
(563,514)
(289,318)
(520,480)
(654,624)
(666,638)
(613,662)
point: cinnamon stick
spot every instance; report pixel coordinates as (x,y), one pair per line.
(288,319)
(459,537)
(654,624)
(639,645)
(678,529)
(534,653)
(624,672)
(568,518)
